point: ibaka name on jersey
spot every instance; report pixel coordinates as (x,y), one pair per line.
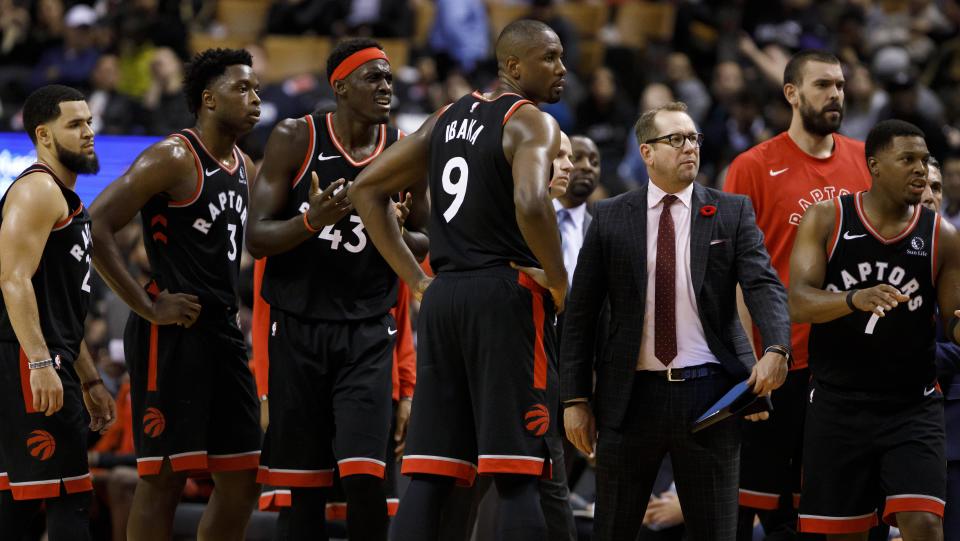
(82,255)
(467,130)
(877,271)
(816,195)
(228,200)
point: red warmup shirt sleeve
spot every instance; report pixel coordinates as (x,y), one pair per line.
(404,352)
(261,331)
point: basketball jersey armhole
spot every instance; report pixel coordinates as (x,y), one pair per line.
(199,188)
(935,249)
(66,221)
(837,226)
(513,109)
(311,148)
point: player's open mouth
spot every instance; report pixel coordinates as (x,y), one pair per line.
(383,101)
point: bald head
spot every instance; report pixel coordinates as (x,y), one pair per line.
(519,36)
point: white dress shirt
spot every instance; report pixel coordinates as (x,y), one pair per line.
(692,349)
(571,234)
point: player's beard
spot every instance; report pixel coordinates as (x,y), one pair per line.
(816,122)
(76,161)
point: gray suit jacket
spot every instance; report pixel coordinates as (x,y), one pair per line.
(726,249)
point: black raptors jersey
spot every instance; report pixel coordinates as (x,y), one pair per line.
(62,280)
(194,245)
(473,222)
(338,274)
(861,351)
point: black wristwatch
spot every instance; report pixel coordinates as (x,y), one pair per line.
(782,350)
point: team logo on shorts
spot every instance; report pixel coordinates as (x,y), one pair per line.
(537,420)
(153,422)
(41,444)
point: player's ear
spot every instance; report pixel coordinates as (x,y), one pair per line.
(513,67)
(44,135)
(874,166)
(340,87)
(791,93)
(208,100)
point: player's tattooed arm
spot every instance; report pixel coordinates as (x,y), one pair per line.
(402,167)
(169,168)
(809,302)
(285,153)
(531,139)
(34,205)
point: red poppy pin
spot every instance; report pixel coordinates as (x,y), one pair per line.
(708,210)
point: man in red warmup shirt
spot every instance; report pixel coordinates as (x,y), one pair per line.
(784,176)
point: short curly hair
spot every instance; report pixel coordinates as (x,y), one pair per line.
(346,48)
(207,66)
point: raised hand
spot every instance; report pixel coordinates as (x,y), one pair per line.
(403,208)
(329,206)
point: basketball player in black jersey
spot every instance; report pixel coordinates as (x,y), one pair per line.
(192,393)
(867,270)
(46,373)
(486,370)
(330,292)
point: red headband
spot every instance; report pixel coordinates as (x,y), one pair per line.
(356,60)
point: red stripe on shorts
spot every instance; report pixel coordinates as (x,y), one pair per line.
(295,478)
(152,358)
(361,466)
(235,462)
(820,524)
(35,491)
(911,503)
(759,500)
(539,353)
(463,471)
(82,483)
(520,466)
(25,383)
(274,500)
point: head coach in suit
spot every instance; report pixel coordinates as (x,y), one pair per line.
(668,257)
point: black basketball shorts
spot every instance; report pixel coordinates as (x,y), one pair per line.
(39,454)
(487,381)
(330,399)
(770,455)
(859,447)
(192,395)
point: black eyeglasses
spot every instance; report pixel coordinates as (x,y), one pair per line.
(676,139)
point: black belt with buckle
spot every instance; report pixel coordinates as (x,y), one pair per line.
(690,372)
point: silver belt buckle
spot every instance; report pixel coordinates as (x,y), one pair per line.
(670,375)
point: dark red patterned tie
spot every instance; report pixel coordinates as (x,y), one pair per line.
(665,287)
